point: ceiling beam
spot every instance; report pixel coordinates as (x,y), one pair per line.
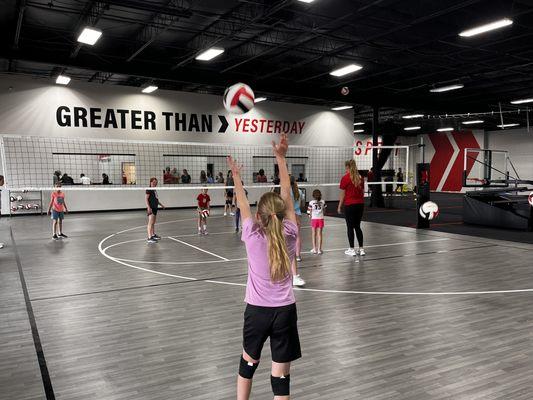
(20,19)
(249,14)
(158,24)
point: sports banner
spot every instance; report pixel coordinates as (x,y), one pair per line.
(82,110)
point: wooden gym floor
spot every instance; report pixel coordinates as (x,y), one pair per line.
(102,315)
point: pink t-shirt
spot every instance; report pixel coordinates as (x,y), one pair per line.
(260,290)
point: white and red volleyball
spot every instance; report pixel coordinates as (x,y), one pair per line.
(205,213)
(530,199)
(429,210)
(345,90)
(239,98)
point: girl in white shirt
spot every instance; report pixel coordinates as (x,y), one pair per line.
(316,211)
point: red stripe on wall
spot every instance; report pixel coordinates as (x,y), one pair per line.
(439,162)
(464,139)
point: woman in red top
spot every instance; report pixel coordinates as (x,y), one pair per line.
(353,197)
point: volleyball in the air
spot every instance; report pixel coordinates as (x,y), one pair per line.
(530,199)
(205,213)
(429,210)
(239,98)
(345,90)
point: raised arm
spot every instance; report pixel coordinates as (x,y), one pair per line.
(242,200)
(280,150)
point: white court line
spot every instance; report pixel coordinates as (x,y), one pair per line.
(198,248)
(245,258)
(188,278)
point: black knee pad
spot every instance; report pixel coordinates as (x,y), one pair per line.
(247,369)
(281,386)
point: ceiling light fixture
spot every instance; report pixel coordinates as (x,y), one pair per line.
(413,116)
(62,80)
(487,27)
(411,128)
(447,88)
(89,36)
(358,131)
(209,54)
(445,129)
(306,1)
(507,125)
(346,70)
(522,101)
(149,89)
(476,121)
(358,123)
(341,108)
(259,99)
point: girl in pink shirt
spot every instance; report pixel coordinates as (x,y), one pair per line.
(270,240)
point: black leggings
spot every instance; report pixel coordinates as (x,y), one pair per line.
(353,214)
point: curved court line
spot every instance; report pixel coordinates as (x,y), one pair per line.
(245,258)
(188,278)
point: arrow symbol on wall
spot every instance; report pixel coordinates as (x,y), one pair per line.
(224,123)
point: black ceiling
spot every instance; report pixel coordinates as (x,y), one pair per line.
(285,49)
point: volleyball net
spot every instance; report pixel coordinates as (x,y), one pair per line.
(33,164)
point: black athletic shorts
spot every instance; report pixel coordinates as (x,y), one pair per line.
(278,323)
(154,210)
(229,193)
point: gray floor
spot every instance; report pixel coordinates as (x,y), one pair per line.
(164,321)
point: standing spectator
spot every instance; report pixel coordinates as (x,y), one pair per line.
(210,178)
(185,177)
(301,178)
(167,177)
(399,178)
(56,177)
(220,177)
(85,180)
(261,177)
(124,178)
(105,179)
(175,176)
(67,180)
(203,177)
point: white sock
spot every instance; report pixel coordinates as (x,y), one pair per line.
(205,227)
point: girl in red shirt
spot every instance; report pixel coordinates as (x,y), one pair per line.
(353,197)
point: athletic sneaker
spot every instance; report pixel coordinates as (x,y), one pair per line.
(62,235)
(236,230)
(298,258)
(204,232)
(55,237)
(1,245)
(225,213)
(313,251)
(200,232)
(350,252)
(297,281)
(156,237)
(361,251)
(232,213)
(151,240)
(319,252)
